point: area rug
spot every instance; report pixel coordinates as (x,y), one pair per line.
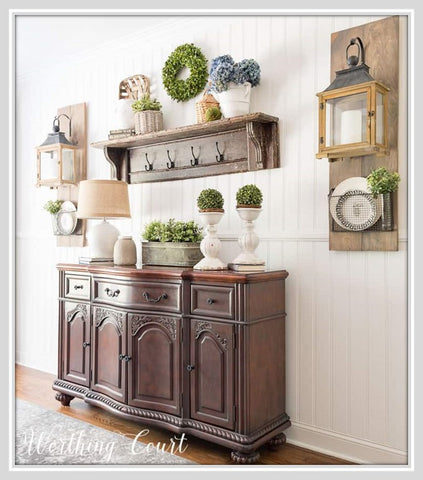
(45,437)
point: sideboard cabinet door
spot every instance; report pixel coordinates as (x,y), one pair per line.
(76,342)
(109,353)
(153,371)
(212,373)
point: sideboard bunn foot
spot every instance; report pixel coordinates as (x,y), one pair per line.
(195,352)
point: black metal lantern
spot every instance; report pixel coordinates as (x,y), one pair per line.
(353,111)
(56,162)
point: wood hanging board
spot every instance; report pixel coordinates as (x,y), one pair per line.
(381,44)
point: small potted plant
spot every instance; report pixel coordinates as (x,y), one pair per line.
(53,207)
(210,204)
(383,182)
(172,243)
(232,83)
(148,115)
(249,199)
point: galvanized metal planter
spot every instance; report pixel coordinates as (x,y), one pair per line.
(176,254)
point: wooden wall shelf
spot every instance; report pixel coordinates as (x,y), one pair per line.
(244,143)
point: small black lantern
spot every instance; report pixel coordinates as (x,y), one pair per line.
(56,162)
(353,111)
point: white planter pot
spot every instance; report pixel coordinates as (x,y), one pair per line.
(249,240)
(235,100)
(210,245)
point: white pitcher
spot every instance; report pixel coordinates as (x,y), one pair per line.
(235,100)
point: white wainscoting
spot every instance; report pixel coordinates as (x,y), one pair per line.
(346,311)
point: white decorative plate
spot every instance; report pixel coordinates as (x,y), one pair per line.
(353,207)
(66,218)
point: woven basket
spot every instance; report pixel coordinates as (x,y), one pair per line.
(148,121)
(134,88)
(204,104)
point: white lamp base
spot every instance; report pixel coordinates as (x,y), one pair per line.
(101,240)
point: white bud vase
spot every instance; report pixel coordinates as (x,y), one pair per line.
(125,251)
(210,245)
(249,240)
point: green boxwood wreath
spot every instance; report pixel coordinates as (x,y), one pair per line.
(190,56)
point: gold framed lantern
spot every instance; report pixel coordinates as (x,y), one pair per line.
(353,111)
(56,158)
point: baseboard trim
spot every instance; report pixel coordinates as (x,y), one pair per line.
(342,446)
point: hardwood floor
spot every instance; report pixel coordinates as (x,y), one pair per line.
(35,386)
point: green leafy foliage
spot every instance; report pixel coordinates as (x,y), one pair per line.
(53,206)
(191,57)
(249,195)
(172,231)
(146,103)
(210,198)
(382,181)
(213,113)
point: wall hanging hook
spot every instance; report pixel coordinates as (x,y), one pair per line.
(150,165)
(194,160)
(172,162)
(219,157)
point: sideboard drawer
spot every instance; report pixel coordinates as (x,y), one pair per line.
(213,301)
(146,295)
(77,286)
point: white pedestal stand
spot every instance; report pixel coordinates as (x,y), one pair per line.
(210,245)
(249,240)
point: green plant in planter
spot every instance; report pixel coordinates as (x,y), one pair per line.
(210,199)
(53,206)
(146,103)
(213,113)
(172,231)
(249,196)
(382,181)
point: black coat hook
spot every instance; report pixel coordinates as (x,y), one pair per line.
(219,158)
(150,165)
(194,160)
(172,163)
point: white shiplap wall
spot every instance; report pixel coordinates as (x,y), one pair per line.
(347,311)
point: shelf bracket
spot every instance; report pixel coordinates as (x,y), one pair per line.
(255,146)
(118,159)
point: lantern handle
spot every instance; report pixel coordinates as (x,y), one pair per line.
(56,127)
(352,61)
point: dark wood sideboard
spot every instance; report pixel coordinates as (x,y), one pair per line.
(190,351)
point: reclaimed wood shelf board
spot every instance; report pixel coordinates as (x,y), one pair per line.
(237,144)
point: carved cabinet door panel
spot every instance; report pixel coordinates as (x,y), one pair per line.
(153,371)
(212,373)
(109,353)
(76,342)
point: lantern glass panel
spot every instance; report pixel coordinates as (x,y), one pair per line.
(67,165)
(346,119)
(380,130)
(49,165)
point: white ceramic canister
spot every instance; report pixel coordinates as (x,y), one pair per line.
(125,251)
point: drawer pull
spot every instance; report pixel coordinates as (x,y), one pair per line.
(210,301)
(146,295)
(78,287)
(125,358)
(86,344)
(190,368)
(112,293)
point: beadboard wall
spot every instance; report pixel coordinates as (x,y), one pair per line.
(346,311)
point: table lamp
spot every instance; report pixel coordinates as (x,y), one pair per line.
(103,199)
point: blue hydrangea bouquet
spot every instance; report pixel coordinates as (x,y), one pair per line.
(224,70)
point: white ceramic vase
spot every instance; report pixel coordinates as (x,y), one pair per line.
(249,240)
(210,245)
(123,115)
(101,240)
(235,100)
